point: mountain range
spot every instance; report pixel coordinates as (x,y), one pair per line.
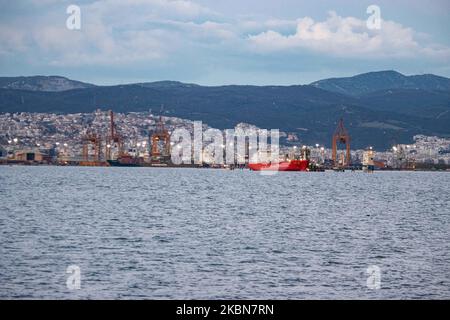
(42,83)
(383,80)
(378,108)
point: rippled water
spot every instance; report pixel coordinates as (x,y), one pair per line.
(198,233)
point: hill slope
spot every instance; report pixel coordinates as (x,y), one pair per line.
(42,83)
(375,81)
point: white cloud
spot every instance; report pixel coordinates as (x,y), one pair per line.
(347,37)
(114,31)
(12,41)
(152,32)
(135,11)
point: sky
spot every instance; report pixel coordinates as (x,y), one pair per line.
(218,42)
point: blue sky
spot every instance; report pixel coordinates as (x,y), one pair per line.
(222,42)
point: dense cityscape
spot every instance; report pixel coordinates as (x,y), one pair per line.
(61,136)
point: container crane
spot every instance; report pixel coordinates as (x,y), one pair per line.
(92,139)
(341,136)
(160,136)
(114,138)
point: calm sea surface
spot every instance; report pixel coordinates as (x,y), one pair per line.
(198,234)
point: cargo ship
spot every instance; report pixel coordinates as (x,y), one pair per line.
(126,161)
(290,165)
(130,161)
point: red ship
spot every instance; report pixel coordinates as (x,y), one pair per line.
(292,165)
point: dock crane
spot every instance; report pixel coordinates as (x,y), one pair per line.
(92,139)
(114,139)
(341,136)
(161,135)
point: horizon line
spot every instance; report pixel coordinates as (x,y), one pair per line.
(215,85)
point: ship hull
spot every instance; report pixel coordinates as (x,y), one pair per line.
(293,165)
(122,163)
(117,163)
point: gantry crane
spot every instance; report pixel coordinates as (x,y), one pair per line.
(341,136)
(94,140)
(161,135)
(114,138)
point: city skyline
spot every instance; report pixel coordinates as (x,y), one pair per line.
(66,133)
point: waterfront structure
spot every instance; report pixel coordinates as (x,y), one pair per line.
(341,136)
(368,160)
(61,137)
